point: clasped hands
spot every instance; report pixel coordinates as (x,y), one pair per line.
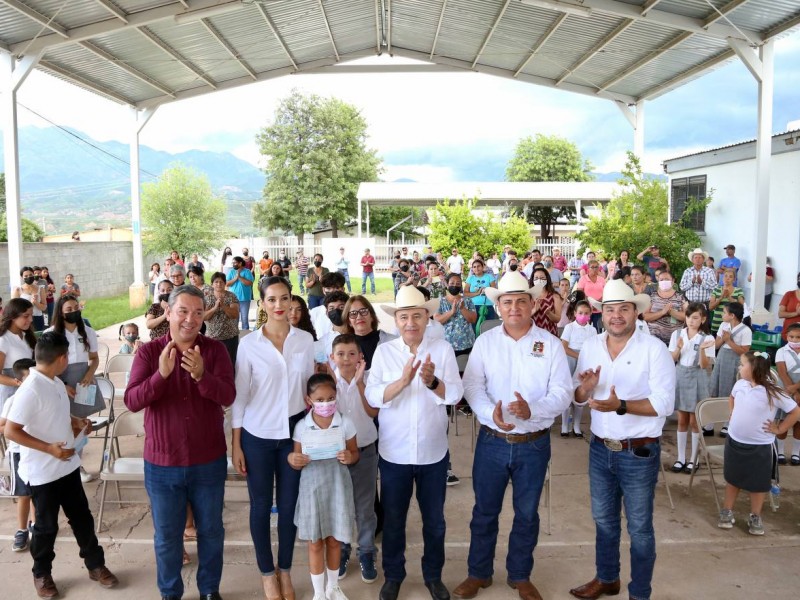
(191,361)
(518,408)
(424,369)
(589,380)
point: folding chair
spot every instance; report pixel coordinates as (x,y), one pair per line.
(487,325)
(122,469)
(101,422)
(118,370)
(461,361)
(103,353)
(547,495)
(710,411)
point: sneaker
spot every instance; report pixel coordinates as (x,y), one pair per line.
(343,562)
(726,519)
(708,432)
(20,541)
(755,526)
(723,432)
(335,593)
(452,479)
(86,477)
(368,572)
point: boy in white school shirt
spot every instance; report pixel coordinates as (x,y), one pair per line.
(40,422)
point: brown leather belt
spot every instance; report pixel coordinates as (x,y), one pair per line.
(617,445)
(515,438)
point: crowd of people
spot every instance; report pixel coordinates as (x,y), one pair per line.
(320,400)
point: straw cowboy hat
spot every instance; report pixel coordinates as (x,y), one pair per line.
(617,291)
(512,283)
(698,251)
(410,297)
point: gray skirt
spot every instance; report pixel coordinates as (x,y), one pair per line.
(325,502)
(6,391)
(724,375)
(693,385)
(71,377)
(748,466)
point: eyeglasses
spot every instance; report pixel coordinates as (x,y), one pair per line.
(355,313)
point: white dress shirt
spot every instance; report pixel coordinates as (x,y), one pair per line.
(320,321)
(691,347)
(349,403)
(644,369)
(270,386)
(413,426)
(535,366)
(77,351)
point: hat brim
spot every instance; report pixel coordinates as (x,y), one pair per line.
(641,301)
(692,253)
(431,306)
(494,294)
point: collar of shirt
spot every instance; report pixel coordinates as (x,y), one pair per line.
(311,424)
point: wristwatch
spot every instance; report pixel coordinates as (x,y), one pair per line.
(623,408)
(434,384)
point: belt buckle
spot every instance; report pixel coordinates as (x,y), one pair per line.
(613,445)
(514,438)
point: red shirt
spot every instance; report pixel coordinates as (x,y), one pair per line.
(183,418)
(367,262)
(790,303)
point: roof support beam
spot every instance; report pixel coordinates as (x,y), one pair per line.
(140,119)
(177,56)
(636,120)
(36,16)
(83,82)
(228,48)
(328,29)
(649,5)
(491,33)
(597,48)
(121,64)
(541,42)
(749,57)
(378,27)
(277,35)
(114,10)
(438,28)
(389,26)
(687,75)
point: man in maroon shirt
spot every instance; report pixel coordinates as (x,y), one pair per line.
(184,381)
(367,271)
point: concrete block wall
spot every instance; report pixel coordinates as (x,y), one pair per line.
(100,268)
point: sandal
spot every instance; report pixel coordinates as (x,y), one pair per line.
(795,460)
(677,467)
(781,459)
(689,468)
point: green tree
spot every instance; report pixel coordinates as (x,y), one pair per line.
(180,212)
(456,225)
(31,232)
(637,217)
(317,155)
(382,218)
(548,158)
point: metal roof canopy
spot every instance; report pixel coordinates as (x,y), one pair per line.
(145,53)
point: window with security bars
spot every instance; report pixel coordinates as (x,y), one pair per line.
(683,191)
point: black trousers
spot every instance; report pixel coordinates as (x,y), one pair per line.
(66,493)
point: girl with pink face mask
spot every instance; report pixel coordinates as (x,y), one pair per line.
(325,511)
(787,361)
(573,338)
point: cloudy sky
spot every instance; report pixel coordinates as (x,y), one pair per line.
(447,127)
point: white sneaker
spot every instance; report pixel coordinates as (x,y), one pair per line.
(335,593)
(86,477)
(320,597)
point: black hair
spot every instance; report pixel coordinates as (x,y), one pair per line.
(196,271)
(59,321)
(575,298)
(305,317)
(425,292)
(238,259)
(793,327)
(23,269)
(345,338)
(336,296)
(17,307)
(218,275)
(451,275)
(22,365)
(52,345)
(332,280)
(699,307)
(317,380)
(736,309)
(272,280)
(548,286)
(622,273)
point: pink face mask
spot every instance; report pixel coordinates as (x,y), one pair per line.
(324,409)
(665,285)
(582,319)
(794,346)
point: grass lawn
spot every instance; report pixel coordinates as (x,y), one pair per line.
(384,288)
(103,312)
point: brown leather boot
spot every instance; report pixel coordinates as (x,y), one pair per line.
(45,586)
(595,588)
(525,589)
(104,577)
(470,587)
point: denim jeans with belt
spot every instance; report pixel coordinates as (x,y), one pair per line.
(267,463)
(628,477)
(397,486)
(497,463)
(170,489)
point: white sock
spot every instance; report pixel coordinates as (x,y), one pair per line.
(318,581)
(333,579)
(682,437)
(695,447)
(795,445)
(787,444)
(576,418)
(565,421)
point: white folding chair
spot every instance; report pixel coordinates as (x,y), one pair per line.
(118,370)
(101,422)
(547,495)
(461,361)
(710,411)
(118,469)
(103,352)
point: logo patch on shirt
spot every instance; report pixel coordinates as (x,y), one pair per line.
(538,349)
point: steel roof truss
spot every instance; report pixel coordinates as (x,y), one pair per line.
(228,48)
(114,10)
(693,72)
(121,64)
(83,82)
(491,33)
(277,35)
(36,16)
(177,56)
(597,48)
(438,28)
(541,42)
(328,29)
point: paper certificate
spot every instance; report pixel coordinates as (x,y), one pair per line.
(320,444)
(85,394)
(80,440)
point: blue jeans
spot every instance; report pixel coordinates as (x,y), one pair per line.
(397,486)
(244,313)
(346,274)
(300,281)
(597,321)
(170,489)
(267,463)
(616,477)
(496,464)
(367,276)
(315,301)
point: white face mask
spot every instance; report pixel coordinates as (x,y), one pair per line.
(539,283)
(665,285)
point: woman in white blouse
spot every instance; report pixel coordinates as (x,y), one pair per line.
(16,341)
(272,367)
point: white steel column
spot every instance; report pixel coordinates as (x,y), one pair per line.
(138,290)
(634,113)
(358,216)
(12,75)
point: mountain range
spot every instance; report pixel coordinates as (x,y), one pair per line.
(70,181)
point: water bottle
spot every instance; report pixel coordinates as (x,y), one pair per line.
(775,495)
(273,518)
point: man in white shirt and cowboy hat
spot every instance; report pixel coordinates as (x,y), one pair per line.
(411,380)
(698,281)
(628,380)
(516,406)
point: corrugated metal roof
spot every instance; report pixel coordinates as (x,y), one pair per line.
(150,54)
(727,146)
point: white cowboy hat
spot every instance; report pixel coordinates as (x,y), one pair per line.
(512,283)
(617,291)
(410,297)
(698,251)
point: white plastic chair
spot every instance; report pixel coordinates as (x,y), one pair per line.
(710,411)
